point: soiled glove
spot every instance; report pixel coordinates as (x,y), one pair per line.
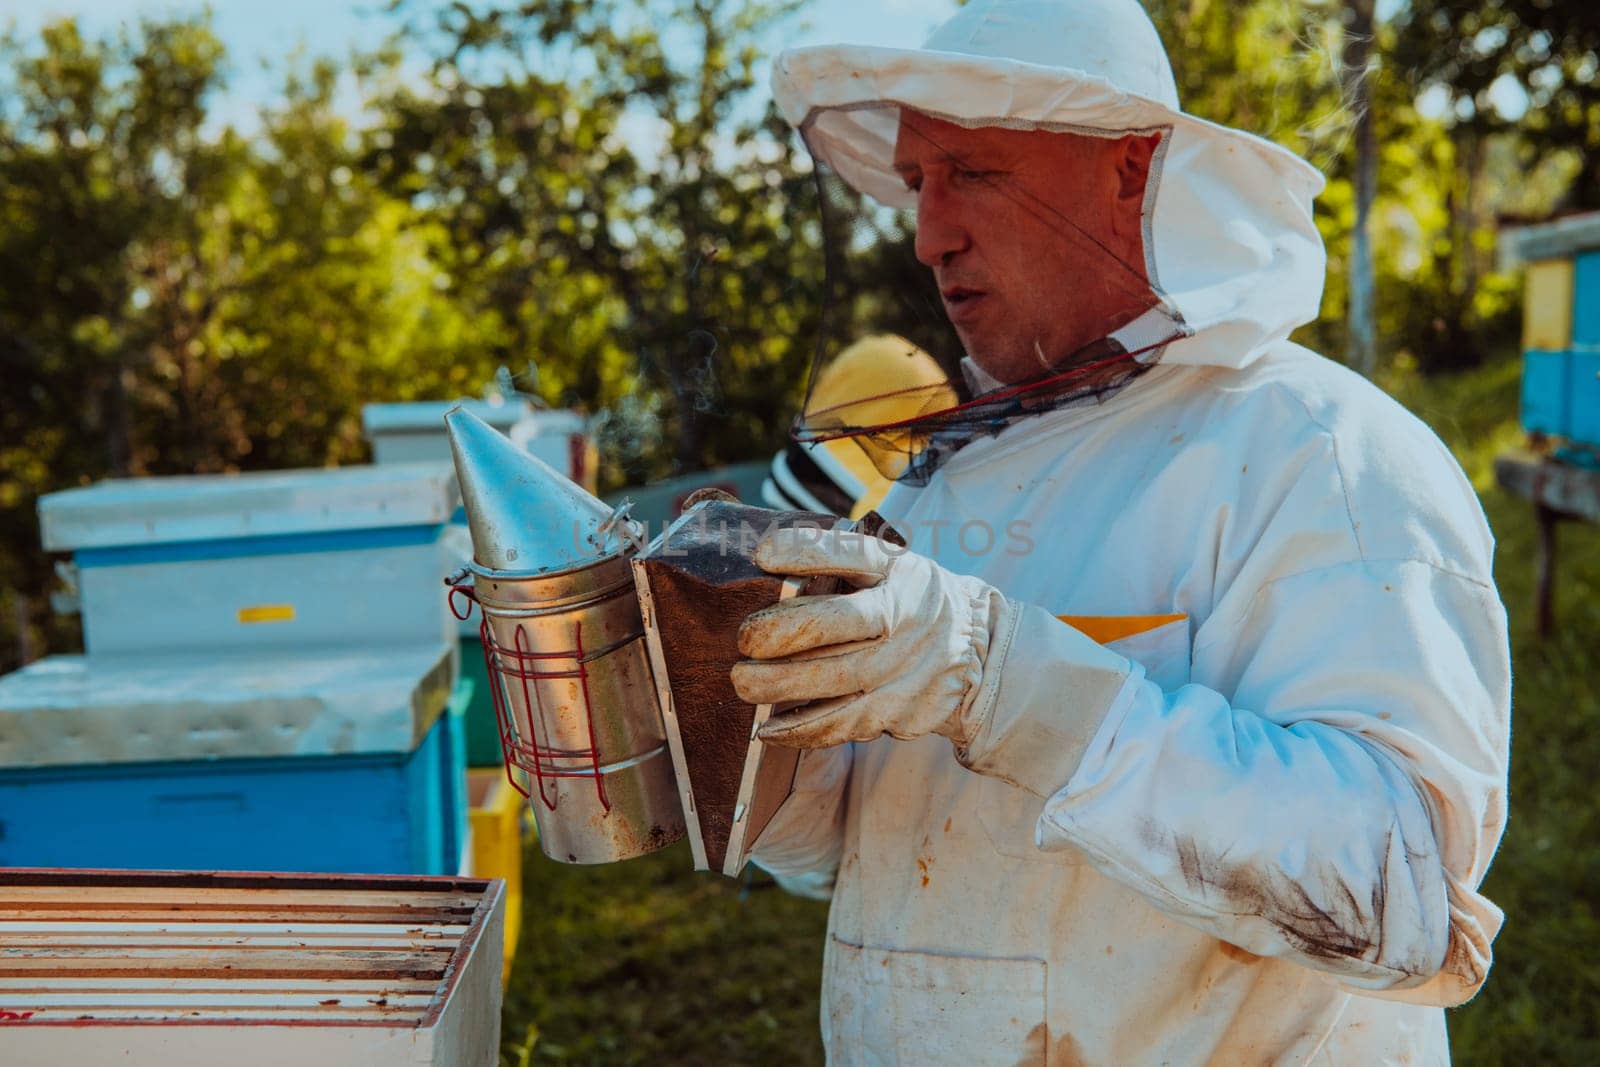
(903,655)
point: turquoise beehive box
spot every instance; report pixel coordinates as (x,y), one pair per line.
(268,682)
(1561,328)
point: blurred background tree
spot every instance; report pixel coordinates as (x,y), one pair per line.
(174,303)
(620,202)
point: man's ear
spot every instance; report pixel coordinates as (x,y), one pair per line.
(1134,158)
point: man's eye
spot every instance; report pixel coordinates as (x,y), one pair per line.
(977,175)
(912,183)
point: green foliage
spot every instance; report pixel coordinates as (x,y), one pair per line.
(1545,51)
(595,189)
(564,194)
(1538,1006)
(1273,68)
(1468,54)
(596,196)
(99,146)
(620,209)
(177,302)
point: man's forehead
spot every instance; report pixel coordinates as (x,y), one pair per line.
(922,139)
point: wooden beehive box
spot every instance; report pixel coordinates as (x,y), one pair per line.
(161,969)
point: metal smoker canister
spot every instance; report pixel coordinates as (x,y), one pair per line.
(564,646)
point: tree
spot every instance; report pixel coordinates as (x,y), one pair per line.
(98,140)
(1473,59)
(1343,95)
(1360,27)
(1472,52)
(173,301)
(96,150)
(626,217)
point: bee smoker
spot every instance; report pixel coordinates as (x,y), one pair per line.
(564,646)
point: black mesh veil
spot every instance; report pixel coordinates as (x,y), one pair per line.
(925,347)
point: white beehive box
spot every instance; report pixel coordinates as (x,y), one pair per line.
(284,559)
(199,970)
(414,432)
(96,711)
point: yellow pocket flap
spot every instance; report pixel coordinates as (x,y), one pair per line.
(1104,629)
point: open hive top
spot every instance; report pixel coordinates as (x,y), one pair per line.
(83,948)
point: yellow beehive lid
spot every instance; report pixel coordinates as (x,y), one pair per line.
(495,815)
(1547,311)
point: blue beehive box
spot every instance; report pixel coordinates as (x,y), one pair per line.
(348,760)
(269,671)
(1546,403)
(1561,328)
(1586,294)
(1583,392)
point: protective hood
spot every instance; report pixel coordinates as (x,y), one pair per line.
(1231,245)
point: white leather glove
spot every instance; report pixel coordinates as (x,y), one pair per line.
(903,655)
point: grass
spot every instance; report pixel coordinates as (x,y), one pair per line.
(648,962)
(1542,1001)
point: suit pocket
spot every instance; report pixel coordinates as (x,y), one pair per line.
(1163,651)
(882,1006)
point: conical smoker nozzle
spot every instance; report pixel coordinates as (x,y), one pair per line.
(523,514)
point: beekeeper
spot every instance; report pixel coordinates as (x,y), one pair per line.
(1207,761)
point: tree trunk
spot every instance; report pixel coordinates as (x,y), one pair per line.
(118,435)
(1585,192)
(1359,27)
(21,620)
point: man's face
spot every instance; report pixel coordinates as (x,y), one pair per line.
(1034,237)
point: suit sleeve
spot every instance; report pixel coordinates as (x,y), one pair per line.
(1338,805)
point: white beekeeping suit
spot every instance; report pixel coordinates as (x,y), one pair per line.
(1238,810)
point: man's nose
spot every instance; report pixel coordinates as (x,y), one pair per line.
(941,232)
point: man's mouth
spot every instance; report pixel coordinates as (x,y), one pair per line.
(960,301)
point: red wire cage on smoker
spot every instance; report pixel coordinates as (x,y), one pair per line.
(576,709)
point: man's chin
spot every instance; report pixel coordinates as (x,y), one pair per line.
(997,374)
(1007,361)
(1025,362)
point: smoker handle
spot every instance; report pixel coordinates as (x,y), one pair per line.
(874,525)
(459,584)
